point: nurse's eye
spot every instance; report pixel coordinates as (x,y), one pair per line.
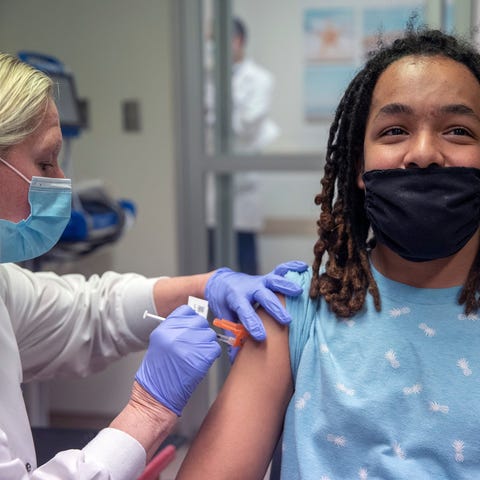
(46,167)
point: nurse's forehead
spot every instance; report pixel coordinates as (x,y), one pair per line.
(47,137)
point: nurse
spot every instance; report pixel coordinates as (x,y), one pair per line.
(69,325)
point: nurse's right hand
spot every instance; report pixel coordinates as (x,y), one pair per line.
(181,350)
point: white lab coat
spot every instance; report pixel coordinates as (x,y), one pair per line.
(67,325)
(253,129)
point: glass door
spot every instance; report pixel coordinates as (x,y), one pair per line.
(258,84)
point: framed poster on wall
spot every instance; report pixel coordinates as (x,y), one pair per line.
(337,40)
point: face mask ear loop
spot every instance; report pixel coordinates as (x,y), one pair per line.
(11,167)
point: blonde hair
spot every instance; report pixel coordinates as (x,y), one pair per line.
(24,96)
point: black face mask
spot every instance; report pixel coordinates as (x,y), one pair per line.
(423,213)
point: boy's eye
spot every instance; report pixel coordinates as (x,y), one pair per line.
(459,131)
(394,131)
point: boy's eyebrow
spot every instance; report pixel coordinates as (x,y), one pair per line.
(455,108)
(460,109)
(394,109)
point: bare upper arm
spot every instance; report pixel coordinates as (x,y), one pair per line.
(238,435)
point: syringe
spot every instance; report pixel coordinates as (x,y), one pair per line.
(220,337)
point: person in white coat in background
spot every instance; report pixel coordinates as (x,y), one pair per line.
(52,325)
(253,131)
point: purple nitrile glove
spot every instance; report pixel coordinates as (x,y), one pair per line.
(232,295)
(181,350)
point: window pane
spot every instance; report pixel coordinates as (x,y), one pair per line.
(291,61)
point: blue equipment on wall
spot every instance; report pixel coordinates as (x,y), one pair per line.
(65,91)
(97,219)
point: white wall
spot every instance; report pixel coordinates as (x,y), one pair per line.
(117,49)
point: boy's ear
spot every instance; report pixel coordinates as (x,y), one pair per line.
(360,172)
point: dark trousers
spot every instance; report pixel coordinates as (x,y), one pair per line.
(247,258)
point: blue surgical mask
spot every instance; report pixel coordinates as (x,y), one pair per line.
(50,204)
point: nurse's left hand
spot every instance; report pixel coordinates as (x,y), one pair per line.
(232,295)
(180,352)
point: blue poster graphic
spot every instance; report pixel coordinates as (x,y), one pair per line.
(337,40)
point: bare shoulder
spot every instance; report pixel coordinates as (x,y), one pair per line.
(246,418)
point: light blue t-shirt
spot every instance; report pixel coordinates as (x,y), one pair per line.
(384,395)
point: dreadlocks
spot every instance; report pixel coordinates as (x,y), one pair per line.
(343,227)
